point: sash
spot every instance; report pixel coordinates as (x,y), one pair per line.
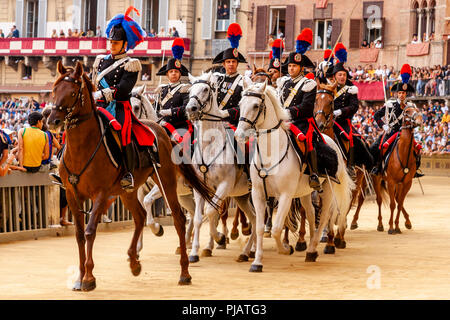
(170,95)
(111,108)
(340,92)
(230,92)
(100,76)
(293,93)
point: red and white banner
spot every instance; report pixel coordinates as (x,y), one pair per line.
(321,4)
(370,91)
(83,47)
(418,49)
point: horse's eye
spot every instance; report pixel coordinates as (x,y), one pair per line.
(205,89)
(255,107)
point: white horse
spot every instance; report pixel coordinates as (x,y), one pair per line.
(277,171)
(214,158)
(149,192)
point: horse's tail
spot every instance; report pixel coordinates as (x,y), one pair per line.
(194,181)
(294,215)
(384,193)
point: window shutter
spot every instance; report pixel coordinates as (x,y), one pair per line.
(383,27)
(290,28)
(101,15)
(42,18)
(306,23)
(19,18)
(207,20)
(163,17)
(355,33)
(261,28)
(337,27)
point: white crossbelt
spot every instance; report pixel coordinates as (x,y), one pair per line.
(170,95)
(230,92)
(293,93)
(98,78)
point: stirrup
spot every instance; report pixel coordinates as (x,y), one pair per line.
(56,179)
(127,182)
(314,183)
(418,174)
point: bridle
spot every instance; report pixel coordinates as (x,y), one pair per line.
(201,104)
(409,119)
(330,117)
(71,120)
(264,74)
(142,109)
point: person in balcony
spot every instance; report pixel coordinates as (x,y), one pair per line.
(364,44)
(14,33)
(415,40)
(62,34)
(2,35)
(69,33)
(175,33)
(98,33)
(54,34)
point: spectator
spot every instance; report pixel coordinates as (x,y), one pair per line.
(280,34)
(4,154)
(90,34)
(248,72)
(415,40)
(62,34)
(53,142)
(54,34)
(162,33)
(378,44)
(33,146)
(446,117)
(175,33)
(69,33)
(431,38)
(14,33)
(152,33)
(2,35)
(145,77)
(226,12)
(364,44)
(98,33)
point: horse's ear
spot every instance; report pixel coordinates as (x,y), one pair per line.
(140,89)
(254,69)
(318,83)
(335,85)
(265,85)
(246,82)
(78,70)
(60,68)
(192,79)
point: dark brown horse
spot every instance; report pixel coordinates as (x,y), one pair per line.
(399,172)
(323,114)
(87,173)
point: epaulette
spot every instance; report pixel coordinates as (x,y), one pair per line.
(281,81)
(133,65)
(309,85)
(97,61)
(352,90)
(185,88)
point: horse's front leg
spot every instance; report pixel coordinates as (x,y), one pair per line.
(149,199)
(198,218)
(284,204)
(244,203)
(100,205)
(222,192)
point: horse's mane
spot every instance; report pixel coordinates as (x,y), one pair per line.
(328,87)
(281,113)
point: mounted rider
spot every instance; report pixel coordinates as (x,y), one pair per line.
(228,87)
(298,95)
(393,111)
(174,96)
(346,104)
(115,76)
(325,68)
(276,69)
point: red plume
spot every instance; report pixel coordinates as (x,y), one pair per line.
(234,30)
(327,54)
(406,69)
(310,76)
(306,35)
(131,8)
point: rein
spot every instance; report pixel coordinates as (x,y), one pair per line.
(330,117)
(215,118)
(410,120)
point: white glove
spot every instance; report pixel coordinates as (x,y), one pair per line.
(98,95)
(337,113)
(386,127)
(165,113)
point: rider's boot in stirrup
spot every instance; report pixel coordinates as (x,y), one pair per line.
(314,182)
(351,162)
(418,174)
(127,181)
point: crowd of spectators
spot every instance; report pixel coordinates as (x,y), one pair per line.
(433,134)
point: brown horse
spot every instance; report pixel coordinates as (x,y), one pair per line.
(323,114)
(87,173)
(399,171)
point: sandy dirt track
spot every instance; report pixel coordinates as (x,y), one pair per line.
(412,265)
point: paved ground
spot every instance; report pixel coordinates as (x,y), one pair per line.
(375,265)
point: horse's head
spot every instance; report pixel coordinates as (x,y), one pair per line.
(412,117)
(251,107)
(136,100)
(200,95)
(68,95)
(260,75)
(324,106)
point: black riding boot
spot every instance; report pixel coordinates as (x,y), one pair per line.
(127,181)
(418,174)
(314,182)
(351,162)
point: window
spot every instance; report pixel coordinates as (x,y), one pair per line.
(32,12)
(277,22)
(146,73)
(373,30)
(151,16)
(423,17)
(323,32)
(223,15)
(89,19)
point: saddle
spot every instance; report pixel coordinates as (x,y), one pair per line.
(111,129)
(387,154)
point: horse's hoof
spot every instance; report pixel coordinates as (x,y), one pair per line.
(251,254)
(397,231)
(300,246)
(88,285)
(221,246)
(329,249)
(337,242)
(234,235)
(242,258)
(256,268)
(342,244)
(408,225)
(311,256)
(222,240)
(391,231)
(380,228)
(354,226)
(136,270)
(267,234)
(207,253)
(160,232)
(76,286)
(247,231)
(184,281)
(291,250)
(324,239)
(178,251)
(193,259)
(228,240)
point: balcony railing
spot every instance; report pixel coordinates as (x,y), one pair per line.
(153,47)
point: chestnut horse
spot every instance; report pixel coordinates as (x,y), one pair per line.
(87,173)
(399,171)
(323,113)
